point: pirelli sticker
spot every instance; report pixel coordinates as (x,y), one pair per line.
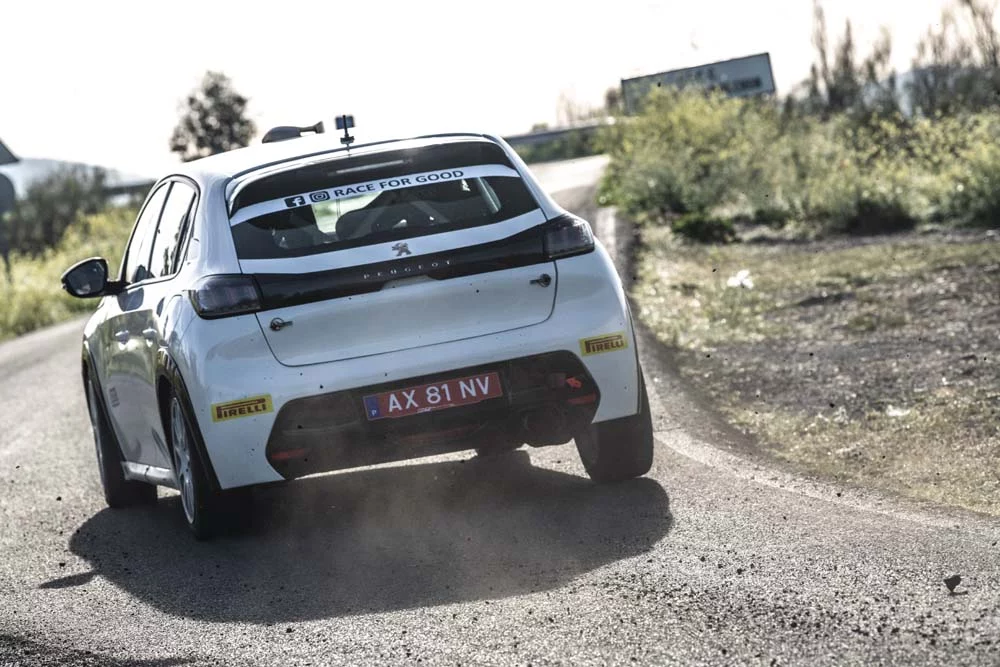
(245,407)
(606,343)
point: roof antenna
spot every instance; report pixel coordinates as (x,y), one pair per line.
(345,123)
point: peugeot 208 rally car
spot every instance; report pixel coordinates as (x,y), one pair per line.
(298,307)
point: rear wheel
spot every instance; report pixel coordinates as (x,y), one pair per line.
(118,491)
(619,449)
(199,503)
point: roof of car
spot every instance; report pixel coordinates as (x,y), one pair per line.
(242,161)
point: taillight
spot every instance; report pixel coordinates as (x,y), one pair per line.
(567,236)
(224,296)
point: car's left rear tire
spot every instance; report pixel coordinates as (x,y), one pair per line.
(199,503)
(119,491)
(620,449)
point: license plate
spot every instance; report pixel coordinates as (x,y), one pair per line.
(434,396)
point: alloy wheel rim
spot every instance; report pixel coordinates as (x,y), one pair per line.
(182,459)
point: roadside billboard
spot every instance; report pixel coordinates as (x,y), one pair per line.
(739,77)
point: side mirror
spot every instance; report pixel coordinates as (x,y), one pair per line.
(89,278)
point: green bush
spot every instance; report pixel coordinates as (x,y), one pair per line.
(977,197)
(694,152)
(34,298)
(50,206)
(567,147)
(873,216)
(771,216)
(688,152)
(970,187)
(704,228)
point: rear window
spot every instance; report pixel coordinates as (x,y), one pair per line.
(354,202)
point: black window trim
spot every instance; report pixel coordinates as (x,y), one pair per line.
(180,252)
(182,246)
(389,236)
(164,183)
(248,176)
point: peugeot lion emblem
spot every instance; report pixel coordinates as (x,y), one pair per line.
(401,249)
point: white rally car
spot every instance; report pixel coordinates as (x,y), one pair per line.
(300,306)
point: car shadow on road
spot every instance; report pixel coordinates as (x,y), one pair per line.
(378,540)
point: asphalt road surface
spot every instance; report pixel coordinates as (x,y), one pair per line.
(715,557)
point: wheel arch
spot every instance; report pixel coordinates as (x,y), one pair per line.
(169,383)
(88,373)
(635,346)
(86,364)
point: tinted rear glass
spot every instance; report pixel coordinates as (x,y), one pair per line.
(354,202)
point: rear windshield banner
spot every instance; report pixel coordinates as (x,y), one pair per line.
(369,187)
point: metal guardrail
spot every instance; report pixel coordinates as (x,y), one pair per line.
(534,138)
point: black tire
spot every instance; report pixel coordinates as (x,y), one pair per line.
(201,507)
(620,449)
(119,492)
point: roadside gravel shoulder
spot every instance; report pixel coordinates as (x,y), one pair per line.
(838,398)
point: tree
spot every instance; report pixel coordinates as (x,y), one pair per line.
(954,70)
(844,85)
(52,204)
(613,101)
(987,41)
(570,112)
(213,121)
(5,246)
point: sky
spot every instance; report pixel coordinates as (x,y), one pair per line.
(102,81)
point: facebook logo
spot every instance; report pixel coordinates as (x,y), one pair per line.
(292,202)
(371,407)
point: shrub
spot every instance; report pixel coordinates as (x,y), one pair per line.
(873,217)
(51,205)
(688,152)
(771,216)
(704,228)
(970,189)
(35,298)
(693,152)
(567,147)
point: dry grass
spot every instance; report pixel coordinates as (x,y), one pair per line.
(926,452)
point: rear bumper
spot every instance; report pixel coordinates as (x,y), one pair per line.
(227,360)
(546,398)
